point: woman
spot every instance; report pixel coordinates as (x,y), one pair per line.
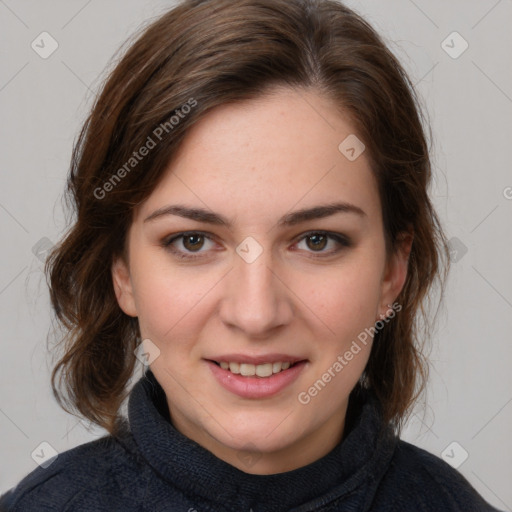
(253,224)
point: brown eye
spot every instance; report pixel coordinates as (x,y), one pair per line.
(188,246)
(193,242)
(318,241)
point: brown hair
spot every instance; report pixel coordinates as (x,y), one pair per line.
(204,54)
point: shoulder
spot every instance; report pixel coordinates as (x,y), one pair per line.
(417,477)
(96,470)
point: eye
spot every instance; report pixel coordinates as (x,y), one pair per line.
(317,241)
(192,242)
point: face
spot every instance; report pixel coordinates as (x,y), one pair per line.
(255,300)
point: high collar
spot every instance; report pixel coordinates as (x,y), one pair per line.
(352,467)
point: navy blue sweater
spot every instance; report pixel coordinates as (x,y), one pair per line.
(150,466)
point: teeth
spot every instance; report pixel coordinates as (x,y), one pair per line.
(249,370)
(264,370)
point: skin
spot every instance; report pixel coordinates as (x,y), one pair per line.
(254,162)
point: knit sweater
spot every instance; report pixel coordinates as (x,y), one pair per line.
(150,466)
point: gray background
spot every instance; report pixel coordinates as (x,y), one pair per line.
(469,100)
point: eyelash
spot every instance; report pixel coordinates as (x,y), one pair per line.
(342,240)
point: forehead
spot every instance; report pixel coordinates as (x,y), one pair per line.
(256,159)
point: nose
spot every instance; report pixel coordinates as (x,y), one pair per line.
(257,300)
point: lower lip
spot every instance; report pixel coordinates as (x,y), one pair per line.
(256,387)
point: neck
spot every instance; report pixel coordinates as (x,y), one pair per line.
(305,450)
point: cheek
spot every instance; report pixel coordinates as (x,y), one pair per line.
(345,298)
(169,301)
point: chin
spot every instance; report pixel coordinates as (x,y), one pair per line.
(259,444)
(262,436)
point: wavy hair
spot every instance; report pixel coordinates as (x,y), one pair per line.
(208,53)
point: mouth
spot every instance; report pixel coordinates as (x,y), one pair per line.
(256,377)
(262,370)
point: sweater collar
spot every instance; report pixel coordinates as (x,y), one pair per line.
(351,468)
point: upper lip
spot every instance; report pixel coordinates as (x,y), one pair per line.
(260,359)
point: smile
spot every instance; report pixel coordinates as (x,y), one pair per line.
(256,381)
(251,370)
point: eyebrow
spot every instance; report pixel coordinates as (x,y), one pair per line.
(290,219)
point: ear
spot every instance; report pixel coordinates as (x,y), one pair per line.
(395,273)
(123,286)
